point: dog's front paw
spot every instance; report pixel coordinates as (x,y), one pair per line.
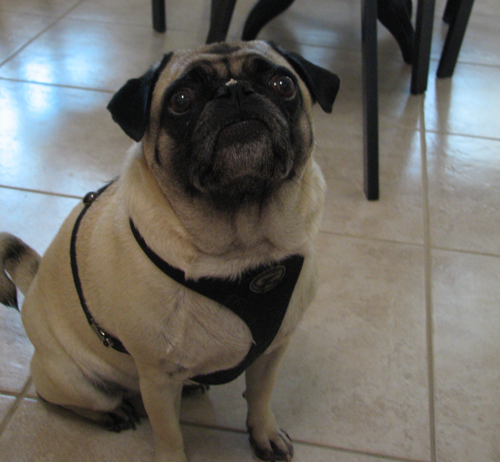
(271,445)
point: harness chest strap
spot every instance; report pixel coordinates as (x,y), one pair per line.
(260,297)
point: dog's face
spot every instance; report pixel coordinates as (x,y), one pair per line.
(226,122)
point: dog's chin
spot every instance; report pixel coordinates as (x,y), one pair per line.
(245,165)
(241,191)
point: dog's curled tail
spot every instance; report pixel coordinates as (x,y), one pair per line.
(18,266)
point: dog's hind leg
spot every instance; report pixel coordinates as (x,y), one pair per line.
(61,382)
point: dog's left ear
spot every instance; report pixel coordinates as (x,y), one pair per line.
(322,84)
(130,106)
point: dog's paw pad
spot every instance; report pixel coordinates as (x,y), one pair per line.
(124,417)
(277,447)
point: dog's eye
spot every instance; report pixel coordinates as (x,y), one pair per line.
(283,86)
(181,101)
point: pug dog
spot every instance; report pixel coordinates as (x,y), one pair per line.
(197,263)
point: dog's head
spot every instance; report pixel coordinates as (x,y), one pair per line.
(229,122)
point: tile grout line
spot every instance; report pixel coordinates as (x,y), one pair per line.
(368,238)
(428,281)
(37,191)
(29,42)
(371,239)
(222,428)
(466,251)
(10,393)
(45,29)
(463,135)
(56,85)
(12,410)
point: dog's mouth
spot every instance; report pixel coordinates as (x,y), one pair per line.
(242,131)
(245,159)
(243,148)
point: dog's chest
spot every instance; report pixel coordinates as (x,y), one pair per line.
(196,335)
(259,297)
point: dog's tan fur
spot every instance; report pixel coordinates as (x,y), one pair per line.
(171,333)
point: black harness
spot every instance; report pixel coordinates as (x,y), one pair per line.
(260,297)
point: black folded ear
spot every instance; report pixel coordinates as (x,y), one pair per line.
(322,84)
(130,106)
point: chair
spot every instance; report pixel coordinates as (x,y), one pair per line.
(395,15)
(220,18)
(456,14)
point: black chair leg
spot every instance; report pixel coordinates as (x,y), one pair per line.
(220,19)
(423,39)
(395,15)
(454,39)
(450,11)
(263,12)
(370,98)
(159,16)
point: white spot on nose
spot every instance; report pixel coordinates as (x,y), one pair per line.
(231,82)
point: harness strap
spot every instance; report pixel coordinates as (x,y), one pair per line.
(106,339)
(260,297)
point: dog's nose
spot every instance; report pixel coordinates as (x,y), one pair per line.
(235,91)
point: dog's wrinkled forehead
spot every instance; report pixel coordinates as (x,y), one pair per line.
(226,62)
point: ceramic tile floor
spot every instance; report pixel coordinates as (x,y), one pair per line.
(399,357)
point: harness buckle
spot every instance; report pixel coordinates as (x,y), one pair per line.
(105,338)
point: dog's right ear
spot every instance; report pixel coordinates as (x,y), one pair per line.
(130,106)
(322,84)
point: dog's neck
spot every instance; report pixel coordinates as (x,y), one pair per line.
(196,237)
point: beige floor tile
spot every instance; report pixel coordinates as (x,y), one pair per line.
(324,25)
(38,7)
(398,215)
(207,445)
(355,375)
(481,44)
(15,351)
(17,29)
(192,17)
(93,55)
(57,139)
(466,297)
(466,103)
(222,406)
(6,403)
(130,12)
(35,218)
(60,436)
(464,193)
